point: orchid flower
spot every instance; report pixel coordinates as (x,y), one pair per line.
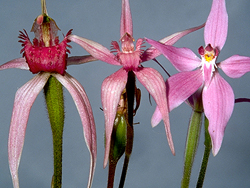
(130,58)
(195,73)
(47,57)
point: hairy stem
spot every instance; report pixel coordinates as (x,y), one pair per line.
(54,99)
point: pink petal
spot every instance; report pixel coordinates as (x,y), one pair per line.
(95,49)
(112,88)
(152,52)
(83,106)
(215,32)
(154,83)
(126,19)
(235,66)
(76,60)
(179,87)
(19,63)
(24,99)
(183,59)
(218,103)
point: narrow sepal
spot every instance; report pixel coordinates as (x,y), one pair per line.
(154,83)
(19,63)
(126,19)
(24,99)
(83,106)
(112,88)
(95,49)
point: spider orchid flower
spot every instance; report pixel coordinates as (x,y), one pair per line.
(217,94)
(47,57)
(130,58)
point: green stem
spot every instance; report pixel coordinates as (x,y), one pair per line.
(191,146)
(207,150)
(130,89)
(54,99)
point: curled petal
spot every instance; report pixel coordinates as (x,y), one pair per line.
(112,88)
(183,59)
(154,83)
(235,66)
(77,60)
(83,106)
(215,32)
(218,103)
(95,49)
(152,52)
(179,87)
(19,63)
(24,99)
(126,19)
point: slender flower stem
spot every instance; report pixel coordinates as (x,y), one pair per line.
(130,89)
(44,9)
(111,177)
(242,100)
(191,146)
(54,99)
(207,150)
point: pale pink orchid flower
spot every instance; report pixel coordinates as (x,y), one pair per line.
(195,73)
(46,60)
(130,58)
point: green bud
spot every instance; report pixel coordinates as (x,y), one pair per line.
(118,139)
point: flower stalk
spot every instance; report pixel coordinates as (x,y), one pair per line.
(130,88)
(208,147)
(55,105)
(191,146)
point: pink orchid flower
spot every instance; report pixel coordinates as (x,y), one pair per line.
(130,58)
(47,57)
(217,94)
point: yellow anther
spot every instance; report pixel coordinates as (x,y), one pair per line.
(209,57)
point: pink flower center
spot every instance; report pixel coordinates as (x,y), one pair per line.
(129,57)
(46,53)
(209,53)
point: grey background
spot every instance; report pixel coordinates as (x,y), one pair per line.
(152,164)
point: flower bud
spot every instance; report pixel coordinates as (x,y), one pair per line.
(119,137)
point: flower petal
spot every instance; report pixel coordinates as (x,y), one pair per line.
(218,103)
(183,59)
(154,83)
(179,87)
(215,32)
(112,88)
(152,52)
(95,49)
(19,63)
(77,60)
(84,108)
(24,99)
(235,66)
(126,19)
